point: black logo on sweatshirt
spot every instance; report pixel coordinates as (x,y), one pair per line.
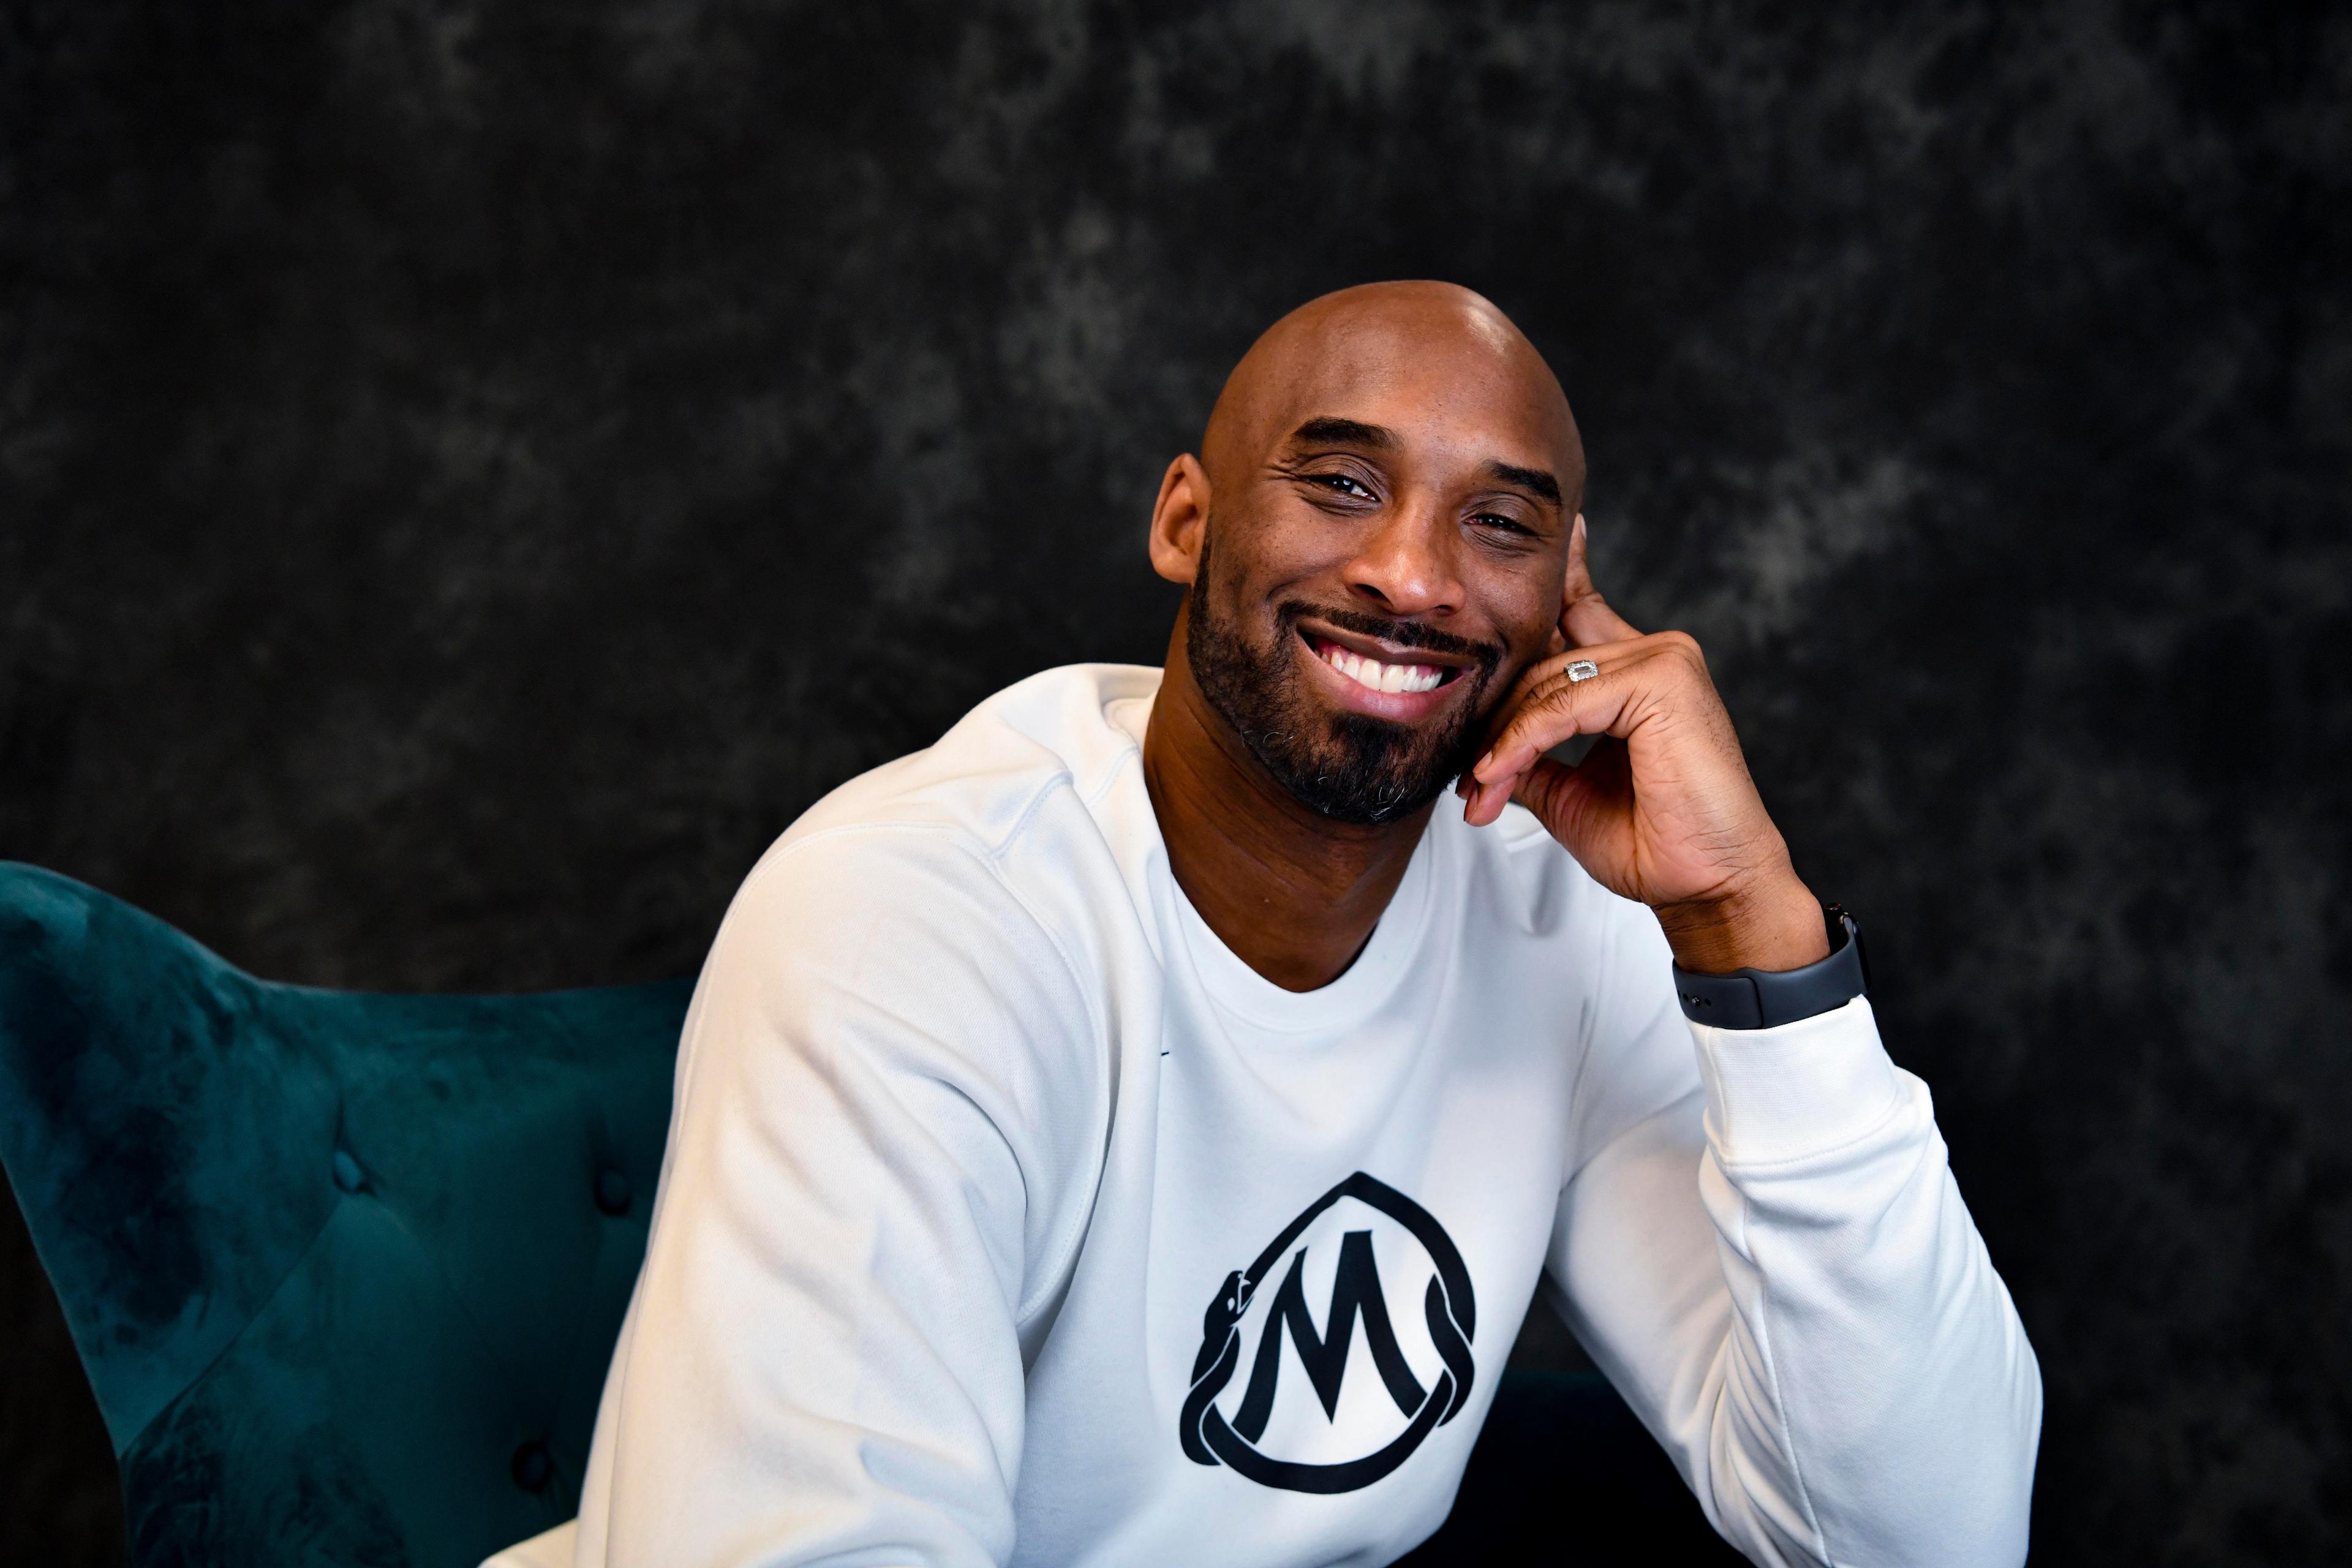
(1448,1308)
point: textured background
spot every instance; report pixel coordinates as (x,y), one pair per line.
(471,472)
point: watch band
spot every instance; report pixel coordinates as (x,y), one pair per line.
(1761,999)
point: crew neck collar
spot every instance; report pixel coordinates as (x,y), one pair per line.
(1361,988)
(1251,996)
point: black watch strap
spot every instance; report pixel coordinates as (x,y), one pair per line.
(1761,999)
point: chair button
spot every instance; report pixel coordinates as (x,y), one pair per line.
(532,1467)
(347,1174)
(613,1192)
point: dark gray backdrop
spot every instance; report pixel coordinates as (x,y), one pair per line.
(471,473)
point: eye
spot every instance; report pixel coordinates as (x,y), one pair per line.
(1496,521)
(1340,484)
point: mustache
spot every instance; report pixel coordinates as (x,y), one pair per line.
(1404,633)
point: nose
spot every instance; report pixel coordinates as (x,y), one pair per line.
(1405,564)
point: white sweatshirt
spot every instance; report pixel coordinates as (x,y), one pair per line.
(1008,1217)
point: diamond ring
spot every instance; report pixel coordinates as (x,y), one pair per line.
(1581,669)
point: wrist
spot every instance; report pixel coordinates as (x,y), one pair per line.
(1773,927)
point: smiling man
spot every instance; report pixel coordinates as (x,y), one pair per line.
(1131,1131)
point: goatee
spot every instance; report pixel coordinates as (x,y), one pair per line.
(1350,767)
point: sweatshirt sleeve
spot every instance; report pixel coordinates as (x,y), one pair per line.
(1775,1267)
(883,1084)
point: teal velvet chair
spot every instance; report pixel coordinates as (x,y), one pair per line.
(345,1270)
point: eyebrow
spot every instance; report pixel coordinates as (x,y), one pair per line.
(1347,433)
(1535,480)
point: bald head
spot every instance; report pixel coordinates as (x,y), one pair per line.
(1438,347)
(1376,538)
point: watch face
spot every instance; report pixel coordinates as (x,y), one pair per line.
(1843,929)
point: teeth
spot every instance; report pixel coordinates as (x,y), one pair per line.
(1380,677)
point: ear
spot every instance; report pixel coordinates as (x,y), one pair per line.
(1180,520)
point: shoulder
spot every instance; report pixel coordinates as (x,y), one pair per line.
(903,887)
(891,962)
(906,920)
(982,783)
(955,849)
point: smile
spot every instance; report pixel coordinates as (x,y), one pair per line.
(1376,676)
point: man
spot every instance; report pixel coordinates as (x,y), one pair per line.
(1132,1130)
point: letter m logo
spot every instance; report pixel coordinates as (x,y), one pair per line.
(1355,1293)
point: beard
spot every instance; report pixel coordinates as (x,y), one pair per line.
(1350,767)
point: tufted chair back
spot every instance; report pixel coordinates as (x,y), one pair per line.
(345,1270)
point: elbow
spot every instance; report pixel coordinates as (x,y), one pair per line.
(1980,1473)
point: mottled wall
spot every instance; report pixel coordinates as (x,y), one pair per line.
(471,473)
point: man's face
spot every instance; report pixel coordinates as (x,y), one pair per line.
(1382,556)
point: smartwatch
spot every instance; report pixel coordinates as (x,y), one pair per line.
(1761,999)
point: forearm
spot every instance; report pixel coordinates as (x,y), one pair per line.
(1820,1339)
(1877,1375)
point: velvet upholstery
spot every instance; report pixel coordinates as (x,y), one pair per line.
(345,1270)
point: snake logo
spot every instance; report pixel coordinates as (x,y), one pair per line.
(1448,1308)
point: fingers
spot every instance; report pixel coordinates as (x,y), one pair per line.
(1636,679)
(1585,617)
(1483,802)
(1547,688)
(1553,710)
(1547,789)
(1575,803)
